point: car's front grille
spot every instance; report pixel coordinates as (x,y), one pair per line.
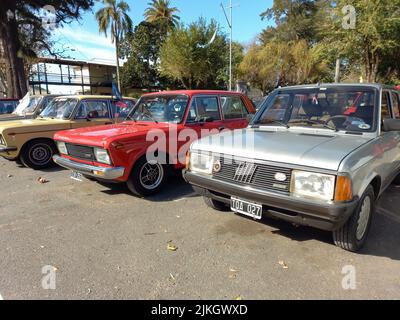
(254,174)
(80,152)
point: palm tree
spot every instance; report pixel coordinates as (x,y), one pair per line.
(160,11)
(114,17)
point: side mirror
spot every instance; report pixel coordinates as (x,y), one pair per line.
(391,125)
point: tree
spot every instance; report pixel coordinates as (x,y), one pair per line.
(19,15)
(188,55)
(114,17)
(142,49)
(161,11)
(374,37)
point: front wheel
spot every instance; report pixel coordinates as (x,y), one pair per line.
(353,234)
(147,178)
(38,154)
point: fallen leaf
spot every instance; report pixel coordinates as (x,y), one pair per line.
(9,176)
(172,277)
(283,264)
(171,247)
(42,180)
(233,270)
(238,298)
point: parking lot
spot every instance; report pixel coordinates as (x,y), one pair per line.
(104,243)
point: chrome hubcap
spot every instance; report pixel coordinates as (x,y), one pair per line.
(363,219)
(40,154)
(151,175)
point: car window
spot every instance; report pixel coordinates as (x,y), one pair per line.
(7,106)
(233,107)
(385,112)
(121,109)
(202,108)
(396,104)
(278,107)
(343,108)
(92,109)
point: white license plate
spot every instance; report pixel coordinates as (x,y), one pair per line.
(247,208)
(77,176)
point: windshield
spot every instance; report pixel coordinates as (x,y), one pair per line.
(59,108)
(346,109)
(28,106)
(160,108)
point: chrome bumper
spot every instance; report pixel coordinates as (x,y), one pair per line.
(93,171)
(4,149)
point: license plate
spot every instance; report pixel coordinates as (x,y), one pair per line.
(77,176)
(247,208)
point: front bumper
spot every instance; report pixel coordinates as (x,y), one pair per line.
(4,149)
(325,216)
(102,173)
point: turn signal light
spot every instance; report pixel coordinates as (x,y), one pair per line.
(344,190)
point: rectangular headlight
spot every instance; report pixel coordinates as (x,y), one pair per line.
(200,163)
(62,148)
(102,155)
(314,185)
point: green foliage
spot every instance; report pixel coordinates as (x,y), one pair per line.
(161,12)
(188,56)
(141,49)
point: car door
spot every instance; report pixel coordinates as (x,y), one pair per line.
(205,115)
(92,112)
(388,142)
(234,111)
(395,136)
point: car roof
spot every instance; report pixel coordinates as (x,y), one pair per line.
(192,92)
(80,97)
(377,86)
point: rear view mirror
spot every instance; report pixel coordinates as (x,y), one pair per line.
(391,125)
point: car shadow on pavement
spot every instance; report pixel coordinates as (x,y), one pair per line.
(175,189)
(384,236)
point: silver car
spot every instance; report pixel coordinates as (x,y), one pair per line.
(315,155)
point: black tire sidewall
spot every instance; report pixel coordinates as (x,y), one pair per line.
(350,228)
(134,184)
(27,150)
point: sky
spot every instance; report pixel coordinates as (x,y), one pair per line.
(81,40)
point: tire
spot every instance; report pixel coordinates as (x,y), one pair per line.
(38,154)
(353,234)
(143,185)
(215,204)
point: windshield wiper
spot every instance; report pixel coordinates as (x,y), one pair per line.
(148,115)
(258,124)
(314,122)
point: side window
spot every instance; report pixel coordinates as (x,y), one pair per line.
(396,104)
(202,108)
(385,112)
(93,109)
(233,107)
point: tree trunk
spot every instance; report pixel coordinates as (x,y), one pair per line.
(117,58)
(15,72)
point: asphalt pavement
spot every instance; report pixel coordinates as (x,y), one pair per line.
(63,239)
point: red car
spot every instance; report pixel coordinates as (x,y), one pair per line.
(153,140)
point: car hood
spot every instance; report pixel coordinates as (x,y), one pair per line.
(324,151)
(101,135)
(34,125)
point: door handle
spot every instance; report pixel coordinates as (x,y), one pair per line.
(108,123)
(221,128)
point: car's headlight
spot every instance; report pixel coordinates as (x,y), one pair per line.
(314,185)
(200,163)
(62,148)
(102,155)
